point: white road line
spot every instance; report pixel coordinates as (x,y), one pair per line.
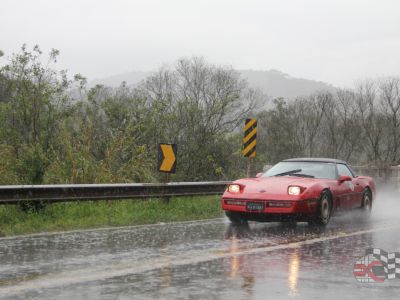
(135,267)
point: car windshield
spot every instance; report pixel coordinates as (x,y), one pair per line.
(303,169)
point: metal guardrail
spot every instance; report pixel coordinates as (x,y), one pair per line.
(13,194)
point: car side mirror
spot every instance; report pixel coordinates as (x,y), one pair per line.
(344,178)
(259,175)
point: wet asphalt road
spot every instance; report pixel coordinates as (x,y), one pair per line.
(200,260)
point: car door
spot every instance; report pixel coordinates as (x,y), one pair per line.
(342,193)
(358,192)
(351,197)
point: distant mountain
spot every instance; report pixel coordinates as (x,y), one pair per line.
(131,78)
(277,84)
(273,83)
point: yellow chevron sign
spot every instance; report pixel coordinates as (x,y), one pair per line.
(249,141)
(167,158)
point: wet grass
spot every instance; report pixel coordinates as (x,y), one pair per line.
(84,215)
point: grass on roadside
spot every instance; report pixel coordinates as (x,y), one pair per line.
(83,215)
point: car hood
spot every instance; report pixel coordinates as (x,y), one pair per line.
(274,185)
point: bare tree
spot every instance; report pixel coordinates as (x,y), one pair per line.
(372,121)
(309,114)
(389,97)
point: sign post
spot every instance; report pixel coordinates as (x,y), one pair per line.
(250,142)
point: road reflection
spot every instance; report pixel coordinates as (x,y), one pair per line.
(239,263)
(293,272)
(259,270)
(234,260)
(246,266)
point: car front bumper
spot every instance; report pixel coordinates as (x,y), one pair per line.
(272,208)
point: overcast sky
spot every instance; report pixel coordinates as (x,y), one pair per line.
(337,41)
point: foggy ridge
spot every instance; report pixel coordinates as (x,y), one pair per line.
(273,82)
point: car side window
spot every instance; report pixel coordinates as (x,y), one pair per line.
(343,170)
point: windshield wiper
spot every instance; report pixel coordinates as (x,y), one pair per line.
(288,172)
(302,175)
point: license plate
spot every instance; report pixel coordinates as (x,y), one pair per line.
(255,206)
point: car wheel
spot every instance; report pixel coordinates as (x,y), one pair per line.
(324,210)
(366,207)
(236,218)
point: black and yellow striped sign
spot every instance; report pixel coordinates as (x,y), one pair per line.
(249,141)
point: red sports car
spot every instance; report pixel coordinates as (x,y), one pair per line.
(299,189)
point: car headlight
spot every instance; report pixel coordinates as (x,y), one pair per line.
(234,188)
(294,190)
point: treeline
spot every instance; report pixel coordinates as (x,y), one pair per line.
(56,130)
(361,126)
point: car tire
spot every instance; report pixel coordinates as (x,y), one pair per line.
(236,218)
(324,210)
(366,205)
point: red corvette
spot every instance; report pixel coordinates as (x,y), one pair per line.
(300,189)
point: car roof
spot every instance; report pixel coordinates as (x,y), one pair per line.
(313,159)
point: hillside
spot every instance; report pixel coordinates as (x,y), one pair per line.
(273,83)
(277,84)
